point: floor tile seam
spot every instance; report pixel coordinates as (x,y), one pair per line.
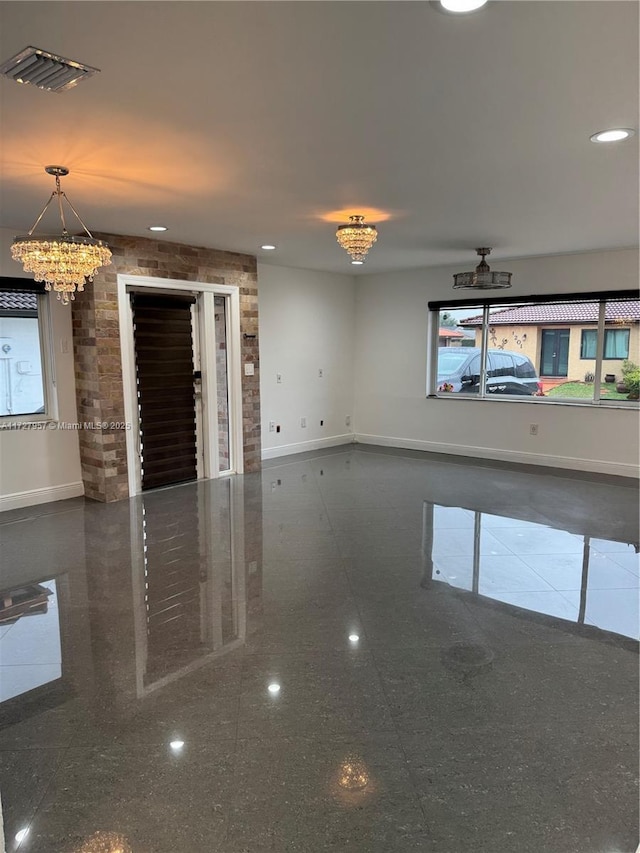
(536,725)
(525,591)
(589,588)
(340,558)
(233,799)
(533,569)
(37,805)
(409,777)
(35,748)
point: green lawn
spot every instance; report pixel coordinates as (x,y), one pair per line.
(584,390)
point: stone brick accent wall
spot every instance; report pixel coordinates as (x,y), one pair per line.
(98,365)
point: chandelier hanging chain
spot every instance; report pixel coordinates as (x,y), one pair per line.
(60,194)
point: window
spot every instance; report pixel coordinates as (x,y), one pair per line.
(579,348)
(616,343)
(24,336)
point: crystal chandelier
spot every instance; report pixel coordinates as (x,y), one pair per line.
(357,238)
(482,278)
(65,261)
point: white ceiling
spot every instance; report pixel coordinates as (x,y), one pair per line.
(242,123)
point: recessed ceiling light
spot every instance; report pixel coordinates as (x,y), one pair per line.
(274,688)
(354,638)
(157,228)
(268,248)
(462,5)
(21,834)
(176,745)
(357,263)
(617,134)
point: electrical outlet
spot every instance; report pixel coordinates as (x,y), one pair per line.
(347,420)
(533,429)
(303,423)
(320,373)
(279,378)
(321,423)
(277,427)
(272,426)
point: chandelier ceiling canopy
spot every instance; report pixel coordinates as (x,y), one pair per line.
(482,278)
(62,262)
(356,238)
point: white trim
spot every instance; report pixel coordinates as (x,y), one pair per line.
(132,436)
(207,344)
(18,500)
(596,466)
(302,446)
(158,285)
(234,379)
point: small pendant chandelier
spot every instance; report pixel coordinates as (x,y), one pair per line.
(356,238)
(63,262)
(482,278)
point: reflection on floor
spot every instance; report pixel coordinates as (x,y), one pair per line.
(356,650)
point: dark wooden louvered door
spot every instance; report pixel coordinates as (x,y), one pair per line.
(175,570)
(166,401)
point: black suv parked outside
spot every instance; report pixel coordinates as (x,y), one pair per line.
(507,372)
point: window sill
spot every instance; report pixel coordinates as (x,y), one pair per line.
(632,405)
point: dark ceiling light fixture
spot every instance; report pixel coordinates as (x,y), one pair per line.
(63,262)
(482,278)
(45,70)
(356,238)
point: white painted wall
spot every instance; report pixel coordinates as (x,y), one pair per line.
(307,324)
(390,373)
(37,466)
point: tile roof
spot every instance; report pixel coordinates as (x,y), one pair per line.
(569,312)
(18,301)
(446,332)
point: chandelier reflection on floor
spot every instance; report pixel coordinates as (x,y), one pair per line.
(106,842)
(353,774)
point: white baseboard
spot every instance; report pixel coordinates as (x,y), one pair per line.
(596,466)
(302,446)
(18,500)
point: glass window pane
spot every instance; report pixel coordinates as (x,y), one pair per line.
(459,347)
(616,343)
(545,349)
(21,380)
(588,343)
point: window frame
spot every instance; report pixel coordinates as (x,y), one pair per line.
(486,303)
(47,355)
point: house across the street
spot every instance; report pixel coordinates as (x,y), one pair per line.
(561,339)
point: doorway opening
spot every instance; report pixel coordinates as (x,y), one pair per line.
(181,376)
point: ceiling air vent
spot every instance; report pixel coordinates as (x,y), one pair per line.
(45,70)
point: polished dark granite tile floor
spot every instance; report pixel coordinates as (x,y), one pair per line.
(355,650)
